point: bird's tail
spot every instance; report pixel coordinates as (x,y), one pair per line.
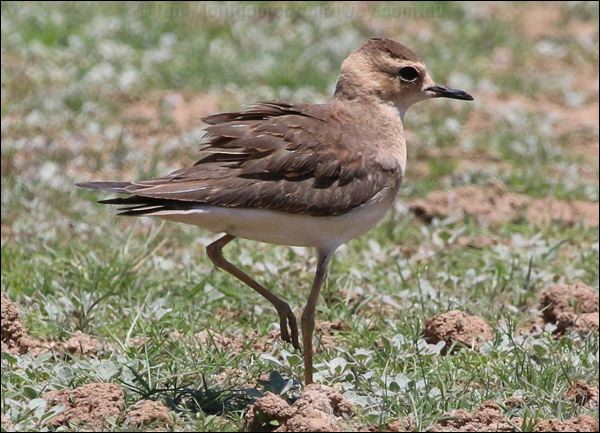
(135,205)
(106,186)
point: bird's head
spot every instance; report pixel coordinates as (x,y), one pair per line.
(388,71)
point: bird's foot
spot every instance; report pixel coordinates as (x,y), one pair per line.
(289,326)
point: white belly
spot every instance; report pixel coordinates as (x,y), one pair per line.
(326,232)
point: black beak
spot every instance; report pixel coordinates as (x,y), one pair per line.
(447,92)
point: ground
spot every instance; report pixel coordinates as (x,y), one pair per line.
(473,305)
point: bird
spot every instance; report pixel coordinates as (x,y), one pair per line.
(305,175)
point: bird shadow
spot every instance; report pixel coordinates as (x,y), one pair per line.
(213,399)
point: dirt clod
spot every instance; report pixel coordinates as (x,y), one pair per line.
(571,307)
(401,425)
(571,299)
(270,407)
(479,242)
(581,423)
(12,328)
(334,325)
(457,327)
(326,332)
(319,409)
(7,424)
(264,343)
(583,393)
(227,342)
(149,413)
(89,406)
(488,417)
(138,341)
(82,344)
(493,205)
(583,323)
(514,401)
(15,338)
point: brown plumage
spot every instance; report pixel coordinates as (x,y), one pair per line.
(375,46)
(307,159)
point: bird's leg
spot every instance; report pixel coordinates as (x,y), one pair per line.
(287,320)
(308,315)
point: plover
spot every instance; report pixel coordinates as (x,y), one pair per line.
(297,174)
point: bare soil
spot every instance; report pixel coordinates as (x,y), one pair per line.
(401,425)
(480,242)
(149,413)
(227,342)
(457,327)
(584,323)
(233,378)
(7,424)
(15,338)
(89,406)
(571,307)
(138,341)
(489,417)
(540,21)
(319,409)
(514,401)
(583,393)
(232,343)
(184,111)
(493,205)
(82,344)
(13,330)
(326,332)
(581,423)
(576,121)
(265,343)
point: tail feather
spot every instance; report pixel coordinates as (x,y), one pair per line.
(106,186)
(130,200)
(135,205)
(143,210)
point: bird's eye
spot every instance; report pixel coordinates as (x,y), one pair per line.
(408,73)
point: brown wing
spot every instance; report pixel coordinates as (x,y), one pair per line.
(292,158)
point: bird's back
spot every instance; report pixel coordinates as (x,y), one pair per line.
(318,160)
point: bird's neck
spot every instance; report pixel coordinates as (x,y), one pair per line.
(356,94)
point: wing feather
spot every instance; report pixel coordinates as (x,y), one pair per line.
(291,158)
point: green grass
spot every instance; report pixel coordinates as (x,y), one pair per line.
(68,72)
